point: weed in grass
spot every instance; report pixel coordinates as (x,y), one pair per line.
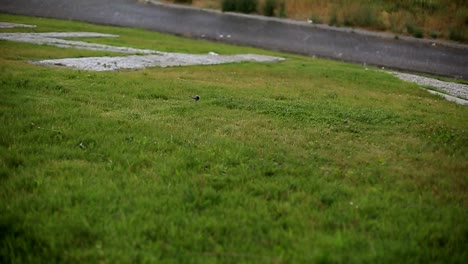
(282,9)
(347,22)
(333,21)
(434,34)
(316,19)
(269,7)
(414,30)
(457,34)
(362,16)
(243,6)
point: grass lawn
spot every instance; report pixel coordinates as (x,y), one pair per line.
(303,161)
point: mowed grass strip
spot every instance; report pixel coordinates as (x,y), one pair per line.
(303,161)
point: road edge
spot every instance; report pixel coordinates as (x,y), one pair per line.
(289,21)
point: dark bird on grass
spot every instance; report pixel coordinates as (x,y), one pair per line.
(195,98)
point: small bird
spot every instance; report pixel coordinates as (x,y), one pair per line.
(195,98)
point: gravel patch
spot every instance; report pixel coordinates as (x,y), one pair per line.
(454,89)
(145,57)
(56,39)
(14,25)
(450,98)
(163,59)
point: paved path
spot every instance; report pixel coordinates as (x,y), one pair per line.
(301,38)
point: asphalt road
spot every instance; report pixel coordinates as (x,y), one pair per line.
(416,56)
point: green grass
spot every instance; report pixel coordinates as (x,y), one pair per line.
(303,161)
